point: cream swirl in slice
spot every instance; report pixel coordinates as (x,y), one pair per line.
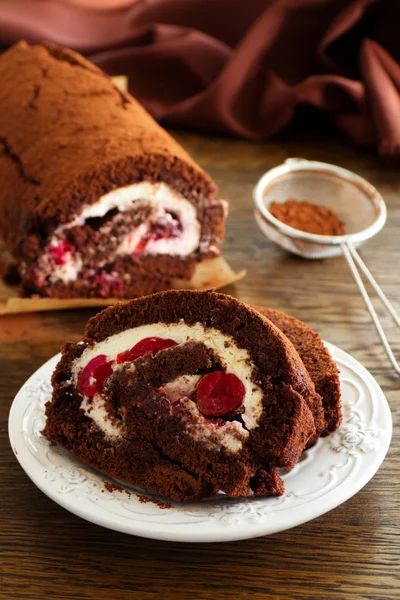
(94,408)
(233,359)
(172,227)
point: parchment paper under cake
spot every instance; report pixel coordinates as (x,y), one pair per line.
(213,273)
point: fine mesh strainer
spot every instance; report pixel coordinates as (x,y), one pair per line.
(357,203)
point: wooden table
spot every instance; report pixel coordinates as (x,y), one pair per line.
(352,552)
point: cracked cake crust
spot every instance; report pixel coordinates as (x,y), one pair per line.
(68,136)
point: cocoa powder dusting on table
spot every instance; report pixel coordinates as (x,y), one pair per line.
(308,217)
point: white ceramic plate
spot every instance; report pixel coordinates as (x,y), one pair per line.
(335,469)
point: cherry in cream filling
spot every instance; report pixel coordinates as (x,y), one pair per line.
(185,394)
(166,227)
(145,238)
(219,393)
(172,227)
(216,394)
(61,252)
(146,346)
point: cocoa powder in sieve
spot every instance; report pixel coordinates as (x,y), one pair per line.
(309,217)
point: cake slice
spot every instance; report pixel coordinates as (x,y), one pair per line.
(209,383)
(96,198)
(318,362)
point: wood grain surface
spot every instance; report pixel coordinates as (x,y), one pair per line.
(351,552)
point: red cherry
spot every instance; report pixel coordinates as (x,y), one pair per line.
(106,285)
(149,345)
(219,393)
(93,376)
(168,227)
(61,251)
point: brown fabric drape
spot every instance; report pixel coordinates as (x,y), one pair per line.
(239,66)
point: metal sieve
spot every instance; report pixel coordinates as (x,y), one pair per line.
(357,203)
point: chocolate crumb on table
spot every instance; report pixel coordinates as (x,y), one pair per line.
(308,217)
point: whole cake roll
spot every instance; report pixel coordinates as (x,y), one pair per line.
(96,198)
(203,380)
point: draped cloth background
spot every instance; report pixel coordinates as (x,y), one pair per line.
(238,66)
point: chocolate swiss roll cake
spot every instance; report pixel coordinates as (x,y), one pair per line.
(198,379)
(96,198)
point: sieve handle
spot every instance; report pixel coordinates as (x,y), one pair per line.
(352,258)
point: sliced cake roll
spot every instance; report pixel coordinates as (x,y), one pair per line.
(96,198)
(209,383)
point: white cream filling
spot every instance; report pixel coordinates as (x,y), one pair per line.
(162,198)
(69,271)
(124,197)
(95,410)
(235,360)
(230,434)
(181,387)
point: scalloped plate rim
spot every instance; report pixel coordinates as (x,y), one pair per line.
(197,532)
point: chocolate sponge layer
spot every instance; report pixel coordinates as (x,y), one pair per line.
(318,362)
